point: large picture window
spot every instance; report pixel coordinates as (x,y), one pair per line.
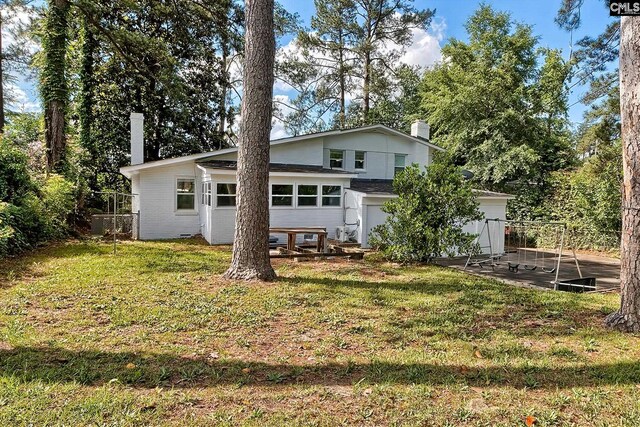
(336,159)
(281,195)
(225,195)
(331,195)
(186,194)
(307,195)
(360,162)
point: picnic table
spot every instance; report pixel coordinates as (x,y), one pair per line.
(292,234)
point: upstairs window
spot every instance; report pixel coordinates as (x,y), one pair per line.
(400,164)
(307,195)
(185,194)
(281,195)
(336,159)
(226,195)
(360,160)
(331,195)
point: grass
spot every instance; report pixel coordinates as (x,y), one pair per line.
(154,336)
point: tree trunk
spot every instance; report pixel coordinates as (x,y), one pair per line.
(1,82)
(53,82)
(343,88)
(251,241)
(54,133)
(628,317)
(366,87)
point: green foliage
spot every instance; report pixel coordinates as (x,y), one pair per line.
(425,221)
(589,199)
(500,114)
(30,213)
(352,47)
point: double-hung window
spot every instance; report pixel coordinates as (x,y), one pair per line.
(225,195)
(331,195)
(307,195)
(336,159)
(360,162)
(400,163)
(185,194)
(281,195)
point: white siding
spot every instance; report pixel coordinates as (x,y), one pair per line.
(223,218)
(159,218)
(307,152)
(380,150)
(491,209)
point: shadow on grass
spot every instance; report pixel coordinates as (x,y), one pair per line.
(148,370)
(470,306)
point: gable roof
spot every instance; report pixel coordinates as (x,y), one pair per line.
(384,187)
(128,170)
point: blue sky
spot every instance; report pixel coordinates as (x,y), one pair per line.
(452,14)
(449,22)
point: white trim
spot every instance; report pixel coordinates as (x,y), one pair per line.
(193,211)
(225,195)
(128,171)
(293,196)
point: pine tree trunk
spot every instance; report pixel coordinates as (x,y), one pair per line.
(628,317)
(1,82)
(251,241)
(366,87)
(343,89)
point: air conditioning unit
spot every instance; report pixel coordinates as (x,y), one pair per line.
(341,234)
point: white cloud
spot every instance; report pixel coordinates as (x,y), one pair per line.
(23,102)
(20,17)
(278,131)
(425,47)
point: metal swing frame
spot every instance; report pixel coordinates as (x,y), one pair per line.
(495,257)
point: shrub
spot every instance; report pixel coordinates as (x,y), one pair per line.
(425,221)
(30,212)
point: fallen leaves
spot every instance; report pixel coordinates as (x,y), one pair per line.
(530,420)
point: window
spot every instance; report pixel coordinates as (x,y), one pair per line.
(331,195)
(307,195)
(281,195)
(226,194)
(360,160)
(206,193)
(400,163)
(336,158)
(186,194)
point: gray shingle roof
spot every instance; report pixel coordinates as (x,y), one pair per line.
(273,167)
(385,187)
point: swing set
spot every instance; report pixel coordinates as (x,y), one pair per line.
(515,244)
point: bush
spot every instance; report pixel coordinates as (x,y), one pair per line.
(426,219)
(30,213)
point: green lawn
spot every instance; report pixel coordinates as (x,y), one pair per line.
(154,336)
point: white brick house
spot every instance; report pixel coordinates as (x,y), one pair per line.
(337,179)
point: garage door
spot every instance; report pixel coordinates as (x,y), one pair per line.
(375,217)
